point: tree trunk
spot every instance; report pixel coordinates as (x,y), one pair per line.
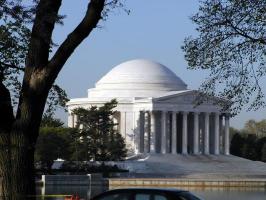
(5,166)
(17,167)
(18,135)
(6,121)
(23,172)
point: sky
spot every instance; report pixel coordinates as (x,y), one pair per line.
(154,29)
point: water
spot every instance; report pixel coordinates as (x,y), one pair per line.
(205,193)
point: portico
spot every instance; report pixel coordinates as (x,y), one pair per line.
(156,112)
(173,126)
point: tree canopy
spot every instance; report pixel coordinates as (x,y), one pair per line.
(101,140)
(231,45)
(257,128)
(250,141)
(53,143)
(248,146)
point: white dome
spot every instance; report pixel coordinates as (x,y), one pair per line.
(137,78)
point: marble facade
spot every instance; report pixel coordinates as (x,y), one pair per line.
(156,112)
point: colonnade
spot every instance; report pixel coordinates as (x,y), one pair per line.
(182,132)
(173,132)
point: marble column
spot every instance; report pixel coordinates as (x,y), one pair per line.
(184,133)
(221,135)
(226,136)
(70,121)
(163,132)
(137,131)
(216,134)
(115,121)
(196,133)
(174,133)
(206,149)
(152,133)
(146,133)
(123,124)
(142,131)
(75,120)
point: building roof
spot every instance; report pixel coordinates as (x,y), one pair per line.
(137,78)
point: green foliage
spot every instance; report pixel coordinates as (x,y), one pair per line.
(87,167)
(232,132)
(250,141)
(50,121)
(98,134)
(54,141)
(263,153)
(248,146)
(259,147)
(116,147)
(231,46)
(248,150)
(57,98)
(256,128)
(14,41)
(236,145)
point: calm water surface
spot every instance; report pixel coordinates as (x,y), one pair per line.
(205,193)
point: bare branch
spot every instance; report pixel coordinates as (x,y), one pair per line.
(12,66)
(89,22)
(245,35)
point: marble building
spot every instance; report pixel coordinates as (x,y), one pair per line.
(156,111)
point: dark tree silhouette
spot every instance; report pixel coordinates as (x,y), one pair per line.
(101,141)
(19,128)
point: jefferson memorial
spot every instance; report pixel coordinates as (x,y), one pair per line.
(156,112)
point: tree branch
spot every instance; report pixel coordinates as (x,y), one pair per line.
(33,87)
(245,35)
(12,66)
(89,22)
(46,16)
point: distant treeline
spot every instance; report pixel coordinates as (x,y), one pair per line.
(249,142)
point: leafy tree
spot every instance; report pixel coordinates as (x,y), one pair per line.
(116,147)
(250,127)
(248,149)
(263,153)
(49,121)
(262,128)
(26,29)
(249,142)
(259,147)
(79,146)
(53,143)
(232,46)
(232,132)
(256,128)
(236,145)
(98,134)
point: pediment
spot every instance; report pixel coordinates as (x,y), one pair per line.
(185,97)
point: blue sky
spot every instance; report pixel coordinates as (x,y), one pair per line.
(154,29)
